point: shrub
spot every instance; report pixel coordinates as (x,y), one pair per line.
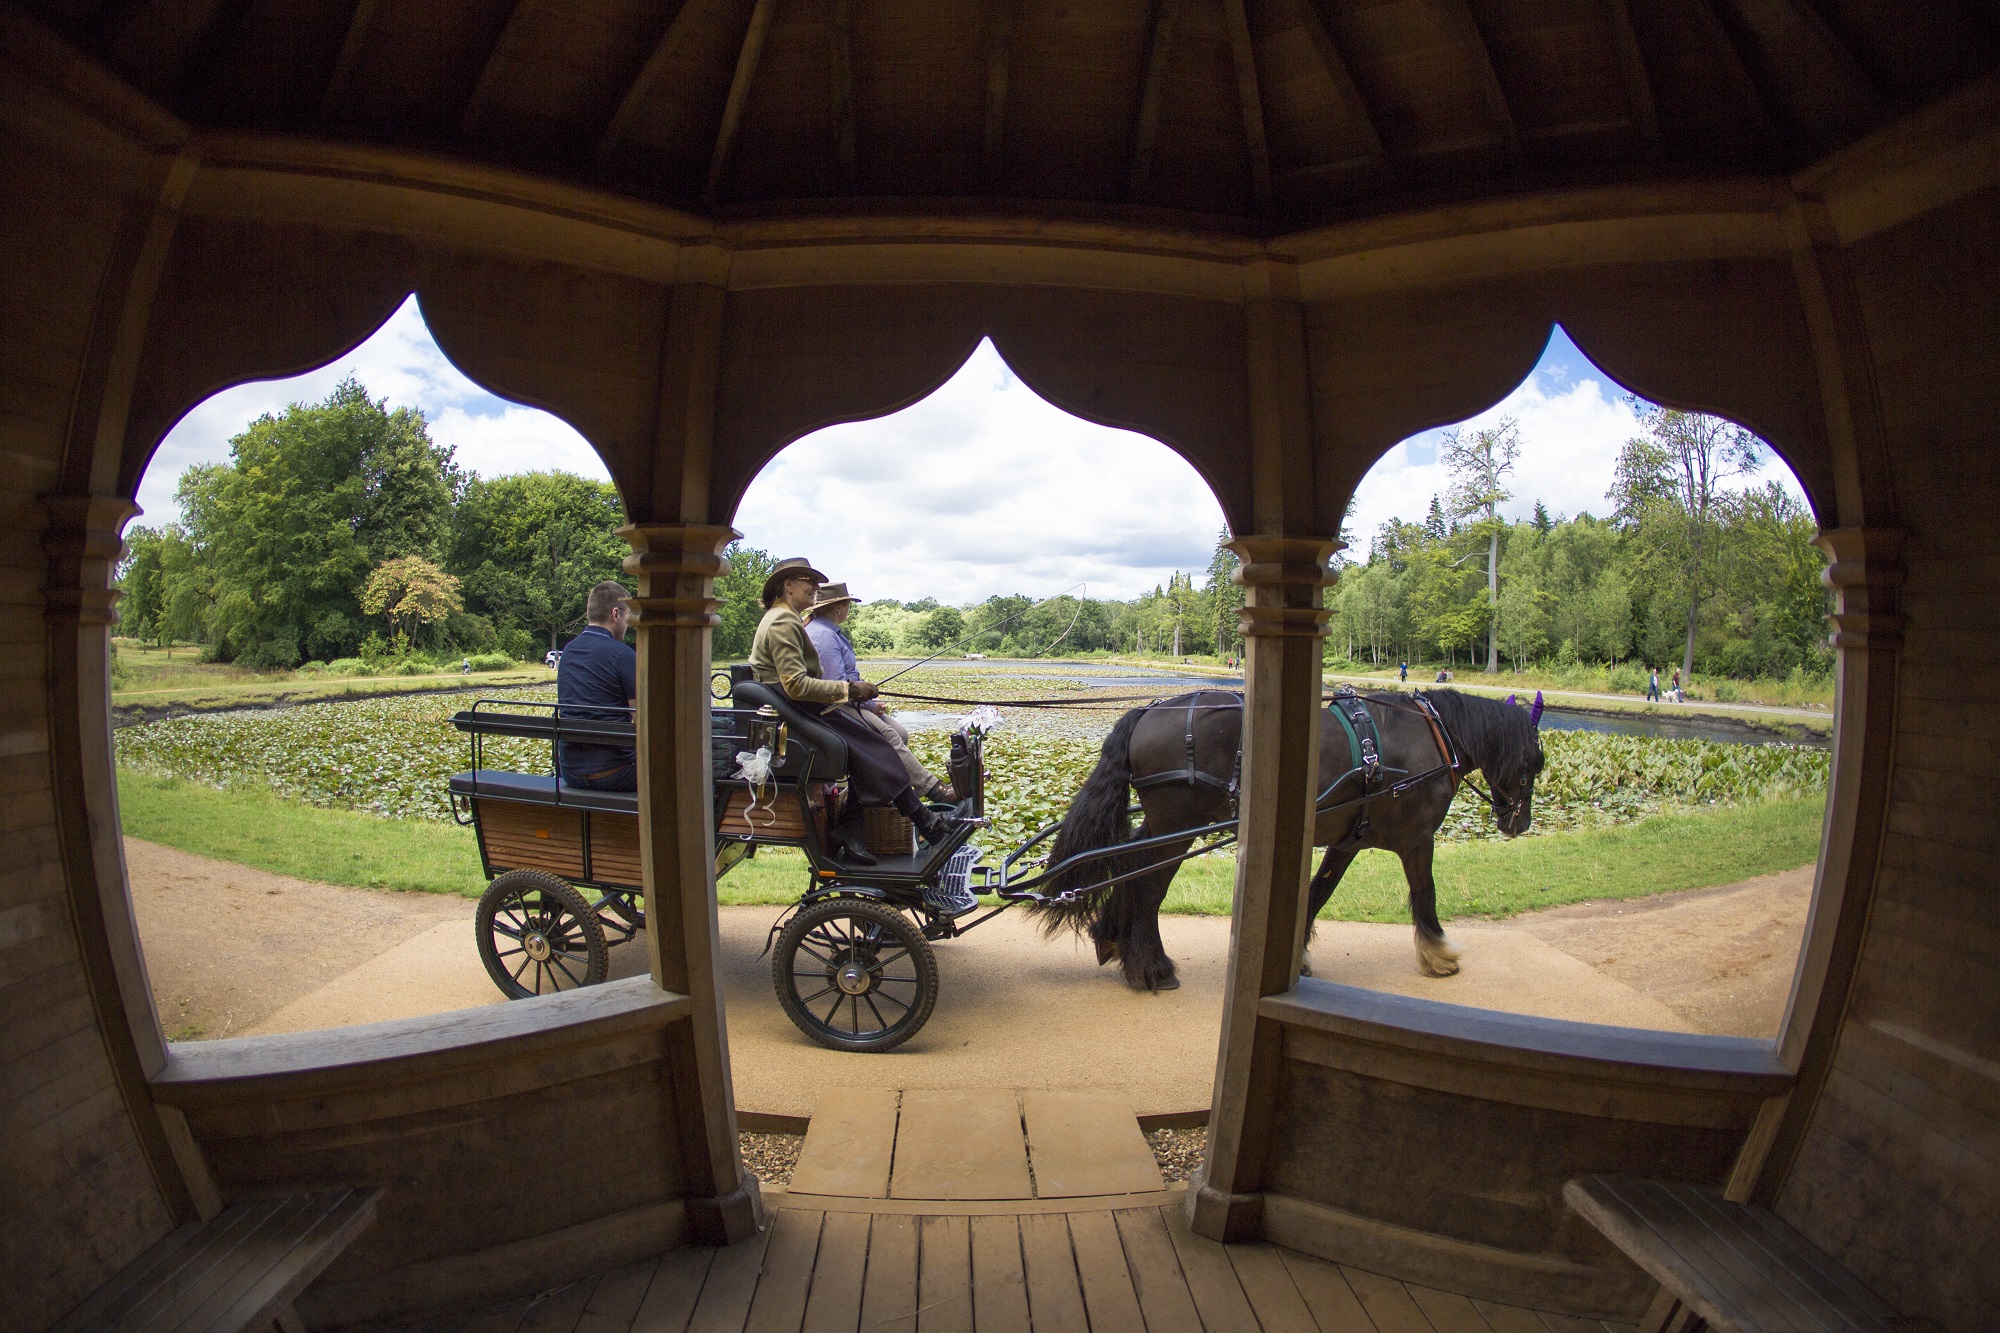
(1725,691)
(411,666)
(1626,678)
(349,666)
(312,668)
(492,662)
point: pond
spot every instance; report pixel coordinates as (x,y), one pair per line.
(1692,726)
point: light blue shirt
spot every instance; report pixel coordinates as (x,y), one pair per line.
(836,654)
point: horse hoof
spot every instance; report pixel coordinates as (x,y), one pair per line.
(1305,965)
(1436,969)
(1171,983)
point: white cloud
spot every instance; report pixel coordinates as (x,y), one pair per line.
(401,362)
(983,488)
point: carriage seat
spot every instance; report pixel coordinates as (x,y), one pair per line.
(831,761)
(494,784)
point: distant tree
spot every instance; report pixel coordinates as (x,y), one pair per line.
(412,594)
(941,627)
(739,591)
(1479,462)
(1667,489)
(1543,523)
(283,535)
(529,547)
(1224,596)
(1435,526)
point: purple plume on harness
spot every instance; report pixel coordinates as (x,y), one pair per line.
(1535,713)
(1510,698)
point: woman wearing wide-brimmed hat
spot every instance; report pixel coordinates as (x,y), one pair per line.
(831,606)
(783,655)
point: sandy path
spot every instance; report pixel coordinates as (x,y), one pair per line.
(234,951)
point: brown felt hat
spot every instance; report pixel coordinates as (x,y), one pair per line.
(793,567)
(830,594)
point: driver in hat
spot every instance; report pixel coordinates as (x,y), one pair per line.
(782,655)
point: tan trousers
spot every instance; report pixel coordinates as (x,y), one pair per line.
(898,736)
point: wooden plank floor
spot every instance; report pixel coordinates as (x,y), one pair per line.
(973,1144)
(1099,1268)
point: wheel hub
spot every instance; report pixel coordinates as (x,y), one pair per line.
(853,978)
(537,945)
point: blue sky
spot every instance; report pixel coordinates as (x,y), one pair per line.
(981,488)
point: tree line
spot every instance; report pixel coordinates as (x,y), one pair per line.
(1193,613)
(1682,571)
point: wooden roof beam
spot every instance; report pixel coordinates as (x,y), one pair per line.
(1458,13)
(1250,100)
(1728,62)
(999,43)
(1157,46)
(1335,65)
(483,87)
(350,55)
(642,82)
(739,93)
(842,31)
(1632,69)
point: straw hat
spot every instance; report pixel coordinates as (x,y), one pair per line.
(793,567)
(830,594)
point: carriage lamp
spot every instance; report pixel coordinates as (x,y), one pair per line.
(768,731)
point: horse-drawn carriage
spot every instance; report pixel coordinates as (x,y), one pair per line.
(851,960)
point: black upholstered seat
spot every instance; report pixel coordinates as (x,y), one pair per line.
(539,789)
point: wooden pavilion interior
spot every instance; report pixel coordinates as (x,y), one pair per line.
(1277,235)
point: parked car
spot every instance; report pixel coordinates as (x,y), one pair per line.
(552,658)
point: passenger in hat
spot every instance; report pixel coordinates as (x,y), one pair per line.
(831,606)
(782,654)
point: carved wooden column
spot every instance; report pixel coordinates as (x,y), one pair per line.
(676,565)
(81,606)
(1866,575)
(1284,570)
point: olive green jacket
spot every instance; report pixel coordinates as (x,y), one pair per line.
(784,656)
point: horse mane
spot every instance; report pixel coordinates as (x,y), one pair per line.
(1490,733)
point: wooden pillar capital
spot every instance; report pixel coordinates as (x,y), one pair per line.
(1865,574)
(676,565)
(84,543)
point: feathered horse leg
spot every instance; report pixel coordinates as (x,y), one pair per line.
(1435,956)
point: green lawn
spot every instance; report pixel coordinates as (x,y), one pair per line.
(1691,850)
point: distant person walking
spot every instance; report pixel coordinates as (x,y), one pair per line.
(1679,698)
(1653,685)
(1403,672)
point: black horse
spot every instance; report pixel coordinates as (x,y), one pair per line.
(1199,734)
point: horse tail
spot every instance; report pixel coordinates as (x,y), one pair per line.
(1095,819)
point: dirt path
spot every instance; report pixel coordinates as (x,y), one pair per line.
(235,951)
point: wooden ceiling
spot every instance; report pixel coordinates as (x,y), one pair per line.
(1251,115)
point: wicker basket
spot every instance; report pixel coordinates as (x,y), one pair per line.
(886,832)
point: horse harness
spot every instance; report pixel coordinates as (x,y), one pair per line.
(1192,774)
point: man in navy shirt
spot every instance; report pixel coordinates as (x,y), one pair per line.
(598,680)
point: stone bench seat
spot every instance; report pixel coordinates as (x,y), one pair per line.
(239,1270)
(1729,1266)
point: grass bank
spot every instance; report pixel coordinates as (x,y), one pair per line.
(258,828)
(1664,854)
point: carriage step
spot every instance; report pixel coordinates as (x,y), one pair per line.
(973,1144)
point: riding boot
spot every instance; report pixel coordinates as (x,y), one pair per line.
(930,825)
(850,841)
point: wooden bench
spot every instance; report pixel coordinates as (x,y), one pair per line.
(238,1270)
(1729,1266)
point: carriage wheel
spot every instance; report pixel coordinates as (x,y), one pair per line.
(854,975)
(537,936)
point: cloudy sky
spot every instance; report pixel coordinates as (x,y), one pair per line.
(982,488)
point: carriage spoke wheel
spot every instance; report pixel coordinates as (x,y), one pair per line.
(854,975)
(537,936)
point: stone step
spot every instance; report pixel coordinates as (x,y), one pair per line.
(973,1144)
